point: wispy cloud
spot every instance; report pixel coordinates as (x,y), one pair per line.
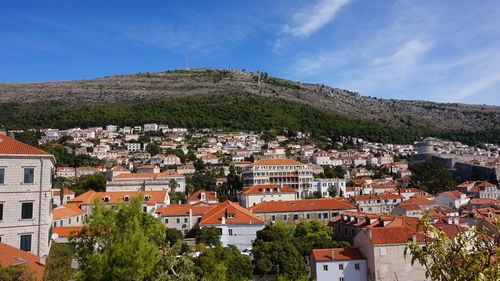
(311,19)
(308,20)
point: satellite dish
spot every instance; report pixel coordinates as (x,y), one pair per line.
(55,236)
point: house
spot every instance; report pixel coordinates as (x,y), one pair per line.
(82,171)
(115,171)
(25,196)
(323,185)
(202,196)
(65,172)
(152,199)
(186,169)
(150,127)
(134,146)
(210,159)
(296,210)
(384,249)
(347,225)
(183,217)
(13,256)
(62,234)
(251,196)
(147,181)
(238,226)
(284,171)
(171,159)
(67,215)
(143,169)
(453,199)
(414,207)
(59,198)
(377,203)
(338,264)
(479,189)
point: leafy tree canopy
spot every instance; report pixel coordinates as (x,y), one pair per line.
(431,176)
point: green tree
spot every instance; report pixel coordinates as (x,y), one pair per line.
(470,255)
(58,267)
(333,191)
(221,264)
(275,253)
(209,236)
(96,182)
(173,235)
(153,149)
(16,273)
(124,243)
(315,235)
(431,176)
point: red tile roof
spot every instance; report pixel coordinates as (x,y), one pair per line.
(11,146)
(183,209)
(241,215)
(302,205)
(377,196)
(337,254)
(419,201)
(66,231)
(117,196)
(393,235)
(12,256)
(67,210)
(209,195)
(166,174)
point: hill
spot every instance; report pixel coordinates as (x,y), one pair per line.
(110,99)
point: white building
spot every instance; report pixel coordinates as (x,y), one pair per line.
(172,159)
(322,186)
(150,127)
(134,146)
(340,264)
(238,226)
(284,171)
(453,199)
(146,181)
(256,194)
(25,196)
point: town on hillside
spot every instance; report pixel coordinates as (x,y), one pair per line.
(367,197)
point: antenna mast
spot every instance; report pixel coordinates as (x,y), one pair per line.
(187,60)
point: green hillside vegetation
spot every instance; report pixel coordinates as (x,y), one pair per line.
(224,111)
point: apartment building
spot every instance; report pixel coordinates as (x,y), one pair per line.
(322,209)
(297,175)
(25,196)
(322,186)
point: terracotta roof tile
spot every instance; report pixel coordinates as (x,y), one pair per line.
(11,146)
(393,235)
(241,215)
(118,196)
(11,256)
(337,254)
(209,195)
(302,205)
(259,189)
(66,231)
(67,210)
(276,162)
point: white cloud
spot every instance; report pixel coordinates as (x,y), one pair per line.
(477,87)
(308,21)
(406,55)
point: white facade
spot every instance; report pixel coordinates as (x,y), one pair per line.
(240,235)
(337,269)
(322,186)
(134,146)
(26,206)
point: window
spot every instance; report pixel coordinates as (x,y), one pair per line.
(166,220)
(273,218)
(29,175)
(178,220)
(1,211)
(295,217)
(319,216)
(325,267)
(26,242)
(69,221)
(220,231)
(325,215)
(341,266)
(2,175)
(230,232)
(61,223)
(285,217)
(341,278)
(356,266)
(185,220)
(383,252)
(308,216)
(27,210)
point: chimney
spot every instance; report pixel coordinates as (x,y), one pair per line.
(414,238)
(369,231)
(333,254)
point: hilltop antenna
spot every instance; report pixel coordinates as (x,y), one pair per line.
(187,60)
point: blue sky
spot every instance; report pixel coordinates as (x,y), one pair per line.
(446,51)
